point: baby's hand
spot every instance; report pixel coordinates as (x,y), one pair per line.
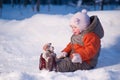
(62,55)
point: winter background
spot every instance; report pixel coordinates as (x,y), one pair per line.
(24,32)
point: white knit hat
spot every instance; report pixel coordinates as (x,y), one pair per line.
(81,20)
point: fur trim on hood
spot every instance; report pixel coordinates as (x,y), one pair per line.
(95,26)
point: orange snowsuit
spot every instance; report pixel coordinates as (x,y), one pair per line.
(89,45)
(88,50)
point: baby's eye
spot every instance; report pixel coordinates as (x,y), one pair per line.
(73,26)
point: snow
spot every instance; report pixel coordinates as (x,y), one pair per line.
(21,41)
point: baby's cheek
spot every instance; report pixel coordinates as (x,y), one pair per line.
(76,33)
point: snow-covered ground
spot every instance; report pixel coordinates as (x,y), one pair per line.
(21,44)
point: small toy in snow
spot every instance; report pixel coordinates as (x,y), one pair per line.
(47,58)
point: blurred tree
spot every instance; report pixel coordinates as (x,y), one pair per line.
(79,3)
(60,1)
(25,2)
(38,5)
(49,2)
(32,2)
(35,4)
(117,2)
(16,1)
(100,3)
(12,3)
(1,6)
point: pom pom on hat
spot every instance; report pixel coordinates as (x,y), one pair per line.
(81,20)
(84,11)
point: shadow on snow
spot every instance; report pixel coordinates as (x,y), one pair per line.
(110,56)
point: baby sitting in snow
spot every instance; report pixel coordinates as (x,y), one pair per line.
(83,50)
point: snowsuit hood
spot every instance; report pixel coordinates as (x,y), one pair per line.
(95,26)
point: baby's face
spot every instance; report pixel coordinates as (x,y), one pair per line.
(75,30)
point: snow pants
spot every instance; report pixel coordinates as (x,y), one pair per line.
(65,65)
